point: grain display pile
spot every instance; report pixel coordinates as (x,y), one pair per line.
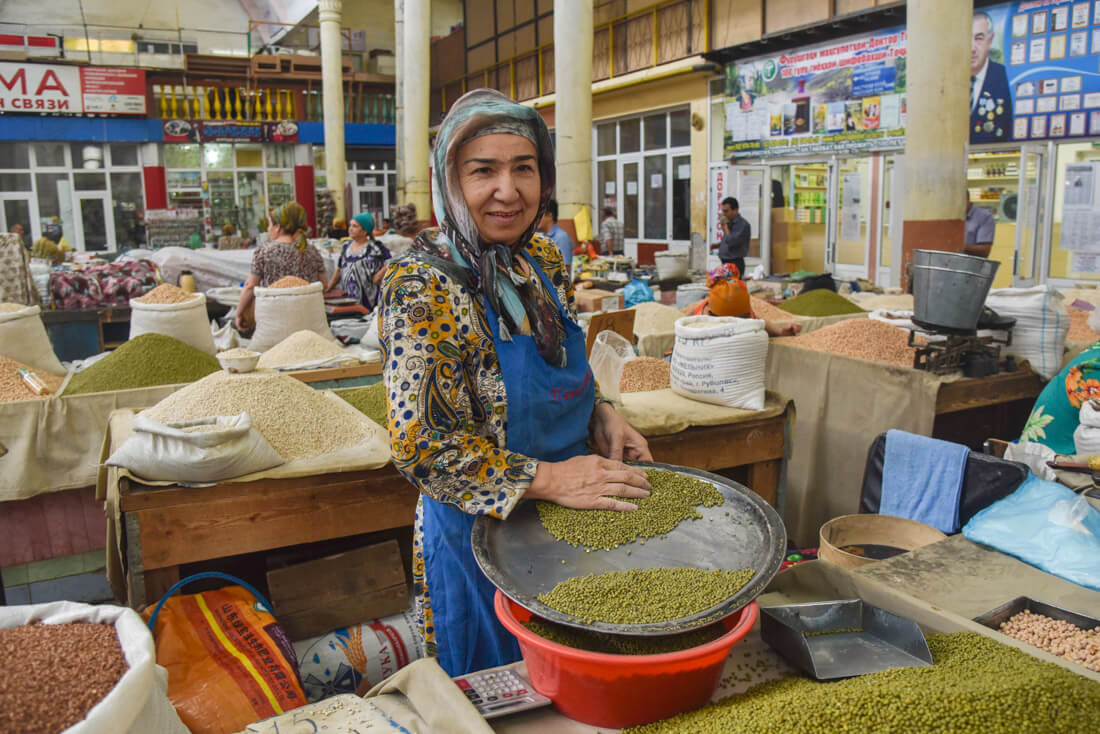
(300,347)
(144,361)
(53,674)
(289,281)
(975,685)
(644,595)
(761,309)
(1057,637)
(11,307)
(643,374)
(673,498)
(622,644)
(860,338)
(12,387)
(370,401)
(821,302)
(1079,330)
(655,318)
(166,293)
(298,421)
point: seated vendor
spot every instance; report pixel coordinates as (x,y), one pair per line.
(729,297)
(492,398)
(287,252)
(362,263)
(229,239)
(1056,413)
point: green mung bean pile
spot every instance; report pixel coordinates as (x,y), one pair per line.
(623,644)
(644,595)
(673,499)
(370,401)
(144,361)
(975,685)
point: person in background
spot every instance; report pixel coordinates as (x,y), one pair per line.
(287,252)
(548,225)
(17,229)
(728,296)
(362,263)
(611,232)
(386,227)
(229,239)
(778,200)
(338,230)
(737,232)
(398,238)
(979,229)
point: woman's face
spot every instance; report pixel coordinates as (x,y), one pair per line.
(356,231)
(499,178)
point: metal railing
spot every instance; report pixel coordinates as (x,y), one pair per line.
(260,104)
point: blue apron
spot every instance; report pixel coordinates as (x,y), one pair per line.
(548,412)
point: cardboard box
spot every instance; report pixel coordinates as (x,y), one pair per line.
(318,596)
(786,266)
(595,299)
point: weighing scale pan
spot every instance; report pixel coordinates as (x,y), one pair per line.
(524,560)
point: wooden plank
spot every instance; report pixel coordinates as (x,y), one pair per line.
(236,524)
(323,581)
(721,447)
(95,520)
(992,390)
(338,373)
(344,612)
(158,581)
(621,322)
(764,480)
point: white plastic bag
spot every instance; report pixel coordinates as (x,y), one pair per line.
(232,447)
(1086,437)
(185,321)
(720,360)
(23,338)
(610,353)
(282,311)
(226,338)
(138,704)
(1041,325)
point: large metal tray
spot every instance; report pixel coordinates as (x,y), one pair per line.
(524,560)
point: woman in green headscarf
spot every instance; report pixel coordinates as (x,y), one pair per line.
(287,252)
(362,263)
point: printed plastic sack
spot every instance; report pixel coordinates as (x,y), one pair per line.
(354,659)
(282,311)
(223,447)
(610,353)
(1086,438)
(720,360)
(1042,323)
(229,663)
(186,321)
(636,292)
(1046,525)
(23,338)
(138,704)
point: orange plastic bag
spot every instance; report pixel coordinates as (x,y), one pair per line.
(229,663)
(730,298)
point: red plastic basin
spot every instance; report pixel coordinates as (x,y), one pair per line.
(617,691)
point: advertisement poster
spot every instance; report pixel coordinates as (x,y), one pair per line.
(1033,76)
(113,91)
(206,131)
(1081,212)
(71,90)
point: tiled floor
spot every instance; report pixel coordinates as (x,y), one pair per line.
(79,577)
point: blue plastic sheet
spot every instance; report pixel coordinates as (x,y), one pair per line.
(635,292)
(1046,525)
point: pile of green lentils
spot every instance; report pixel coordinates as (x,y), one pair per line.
(370,401)
(623,644)
(975,685)
(672,499)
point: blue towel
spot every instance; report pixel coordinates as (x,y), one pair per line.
(922,479)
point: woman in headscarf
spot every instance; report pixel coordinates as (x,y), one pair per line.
(287,252)
(491,399)
(229,239)
(398,238)
(362,263)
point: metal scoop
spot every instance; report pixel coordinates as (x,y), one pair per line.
(842,639)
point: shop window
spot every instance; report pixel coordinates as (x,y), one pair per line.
(87,156)
(607,187)
(14,155)
(655,132)
(124,154)
(679,123)
(182,155)
(15,182)
(49,155)
(250,195)
(280,188)
(218,155)
(630,136)
(90,181)
(655,182)
(279,156)
(605,139)
(250,156)
(128,205)
(681,197)
(53,190)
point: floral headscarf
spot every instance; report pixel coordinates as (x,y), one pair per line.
(518,301)
(294,220)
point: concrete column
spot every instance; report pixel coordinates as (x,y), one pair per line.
(936,129)
(332,88)
(399,95)
(416,84)
(573,105)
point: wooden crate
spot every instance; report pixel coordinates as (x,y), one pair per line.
(318,596)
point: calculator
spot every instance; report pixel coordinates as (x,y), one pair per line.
(500,691)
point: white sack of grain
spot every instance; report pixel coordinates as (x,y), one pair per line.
(138,703)
(1042,323)
(23,338)
(195,451)
(720,360)
(282,311)
(186,321)
(610,353)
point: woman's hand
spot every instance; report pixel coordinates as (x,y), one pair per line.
(589,483)
(615,438)
(775,329)
(331,283)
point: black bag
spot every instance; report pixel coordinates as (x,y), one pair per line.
(817,283)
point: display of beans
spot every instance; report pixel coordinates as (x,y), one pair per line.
(1079,330)
(289,281)
(976,685)
(860,338)
(761,309)
(623,644)
(51,675)
(643,374)
(166,293)
(1056,636)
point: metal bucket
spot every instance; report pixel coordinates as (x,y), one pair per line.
(949,289)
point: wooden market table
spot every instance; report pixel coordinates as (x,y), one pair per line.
(166,527)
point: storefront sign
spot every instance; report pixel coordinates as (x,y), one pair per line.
(113,91)
(72,90)
(229,131)
(1033,70)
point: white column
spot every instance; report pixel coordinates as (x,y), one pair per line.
(332,87)
(399,95)
(573,104)
(416,83)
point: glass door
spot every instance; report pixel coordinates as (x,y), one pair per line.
(892,220)
(95,229)
(849,232)
(747,185)
(371,194)
(1029,213)
(630,179)
(18,209)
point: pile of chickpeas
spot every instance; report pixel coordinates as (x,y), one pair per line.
(1058,637)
